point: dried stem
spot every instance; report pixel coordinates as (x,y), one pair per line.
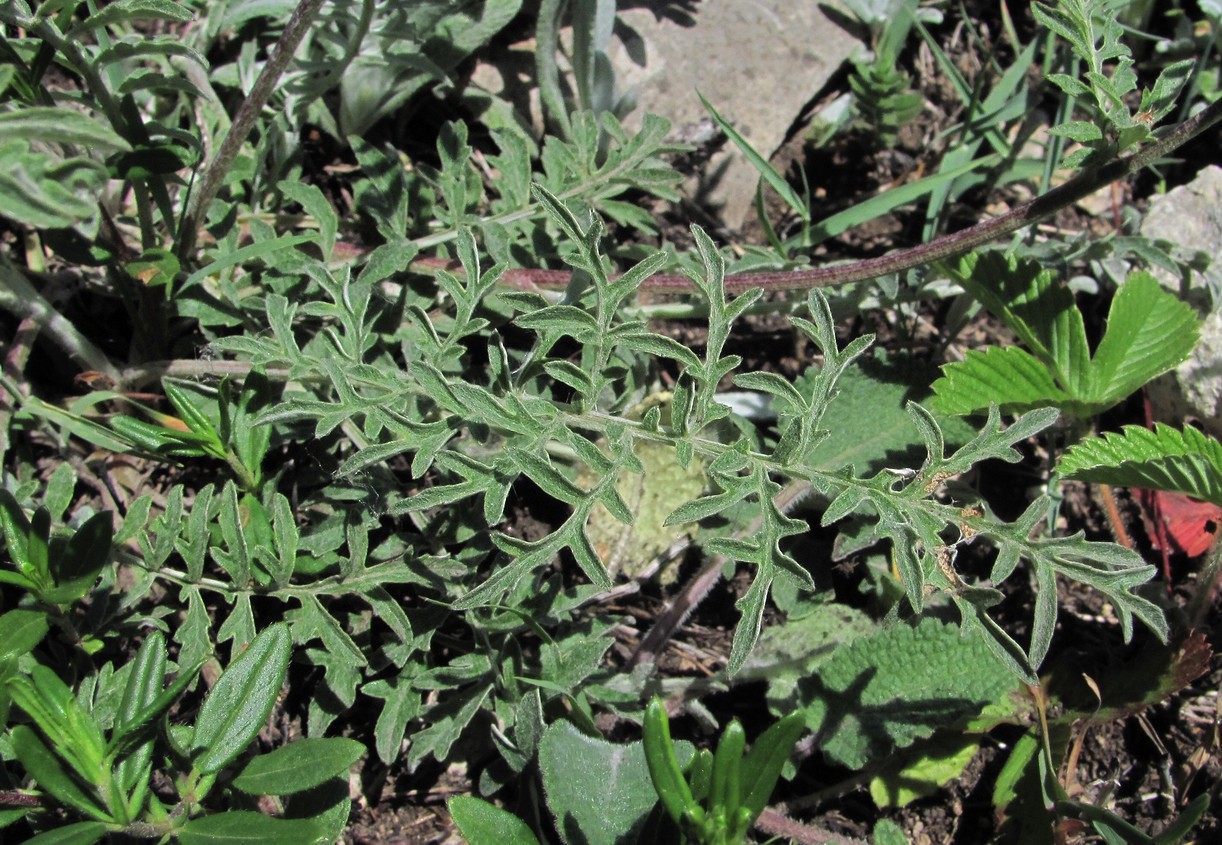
(243,122)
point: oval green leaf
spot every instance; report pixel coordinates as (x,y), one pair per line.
(298,766)
(481,823)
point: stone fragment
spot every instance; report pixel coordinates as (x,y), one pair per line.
(1191,217)
(758,62)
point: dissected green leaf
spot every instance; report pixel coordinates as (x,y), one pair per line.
(867,424)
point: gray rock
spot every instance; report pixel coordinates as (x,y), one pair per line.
(758,62)
(1191,216)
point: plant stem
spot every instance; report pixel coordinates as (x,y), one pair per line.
(20,297)
(243,122)
(947,246)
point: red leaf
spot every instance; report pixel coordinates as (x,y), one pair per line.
(1191,524)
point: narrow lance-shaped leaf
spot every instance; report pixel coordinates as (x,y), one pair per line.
(239,704)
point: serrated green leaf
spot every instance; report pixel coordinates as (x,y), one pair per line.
(1040,310)
(1184,461)
(1149,331)
(1008,377)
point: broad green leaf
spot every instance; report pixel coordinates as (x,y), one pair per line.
(244,827)
(885,691)
(298,766)
(577,767)
(59,125)
(239,704)
(482,823)
(1008,377)
(887,832)
(1149,331)
(82,559)
(909,777)
(1184,461)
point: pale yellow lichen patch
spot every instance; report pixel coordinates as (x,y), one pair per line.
(652,496)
